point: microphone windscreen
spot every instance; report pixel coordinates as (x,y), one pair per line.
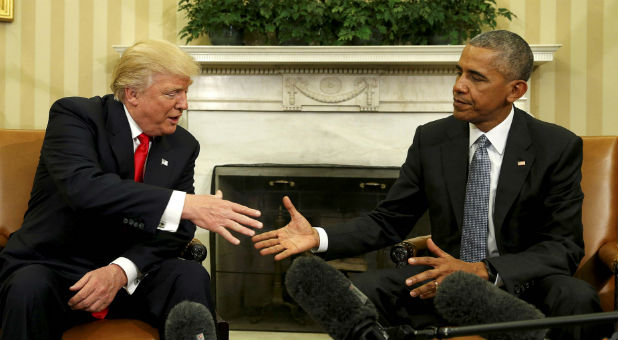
(466,299)
(189,321)
(329,297)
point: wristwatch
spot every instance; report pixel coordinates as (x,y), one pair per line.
(491,272)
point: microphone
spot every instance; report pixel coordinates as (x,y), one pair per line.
(189,321)
(332,300)
(466,299)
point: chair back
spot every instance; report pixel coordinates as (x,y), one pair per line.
(600,217)
(19,156)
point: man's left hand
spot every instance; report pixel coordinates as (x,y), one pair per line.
(97,289)
(443,264)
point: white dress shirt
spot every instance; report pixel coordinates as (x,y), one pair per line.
(169,221)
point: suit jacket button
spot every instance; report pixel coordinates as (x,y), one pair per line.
(141,225)
(517,290)
(125,220)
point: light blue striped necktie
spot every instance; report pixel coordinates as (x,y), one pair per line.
(476,205)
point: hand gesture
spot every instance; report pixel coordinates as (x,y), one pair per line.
(97,288)
(296,237)
(443,264)
(218,215)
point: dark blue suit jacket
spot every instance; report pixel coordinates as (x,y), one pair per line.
(537,212)
(85,209)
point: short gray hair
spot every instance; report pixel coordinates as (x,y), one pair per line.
(515,56)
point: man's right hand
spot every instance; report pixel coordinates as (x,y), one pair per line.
(296,237)
(217,215)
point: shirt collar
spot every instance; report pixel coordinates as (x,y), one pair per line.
(135,129)
(497,136)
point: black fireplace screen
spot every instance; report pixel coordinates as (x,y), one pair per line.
(248,288)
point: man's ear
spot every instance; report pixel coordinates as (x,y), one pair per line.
(130,95)
(517,89)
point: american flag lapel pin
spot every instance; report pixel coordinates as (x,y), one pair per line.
(521,163)
(164,161)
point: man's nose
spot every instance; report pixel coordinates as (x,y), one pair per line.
(460,86)
(182,101)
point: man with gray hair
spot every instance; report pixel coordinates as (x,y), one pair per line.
(113,206)
(503,194)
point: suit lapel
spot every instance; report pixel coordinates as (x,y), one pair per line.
(119,134)
(516,165)
(159,164)
(455,163)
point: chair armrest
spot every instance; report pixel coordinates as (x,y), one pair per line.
(608,254)
(401,252)
(194,251)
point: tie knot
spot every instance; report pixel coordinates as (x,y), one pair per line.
(143,138)
(483,142)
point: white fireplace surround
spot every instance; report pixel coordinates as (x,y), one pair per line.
(355,105)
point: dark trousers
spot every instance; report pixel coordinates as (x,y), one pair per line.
(34,299)
(553,295)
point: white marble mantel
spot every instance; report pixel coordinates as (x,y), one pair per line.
(353,105)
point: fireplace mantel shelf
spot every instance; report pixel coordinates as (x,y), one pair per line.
(339,55)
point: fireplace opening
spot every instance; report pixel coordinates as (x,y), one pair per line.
(249,288)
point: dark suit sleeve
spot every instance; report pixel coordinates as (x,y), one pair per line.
(391,220)
(550,222)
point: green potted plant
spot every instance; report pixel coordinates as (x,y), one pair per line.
(342,22)
(221,20)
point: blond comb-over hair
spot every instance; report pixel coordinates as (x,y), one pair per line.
(146,58)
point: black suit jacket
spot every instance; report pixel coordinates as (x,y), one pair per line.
(85,210)
(537,212)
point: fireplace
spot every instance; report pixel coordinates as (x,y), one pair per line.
(249,289)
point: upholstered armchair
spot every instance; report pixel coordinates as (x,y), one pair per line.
(599,216)
(19,156)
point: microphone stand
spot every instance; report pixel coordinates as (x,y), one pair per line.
(510,326)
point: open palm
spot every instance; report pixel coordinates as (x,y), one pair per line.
(296,237)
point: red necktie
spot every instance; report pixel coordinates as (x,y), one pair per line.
(140,157)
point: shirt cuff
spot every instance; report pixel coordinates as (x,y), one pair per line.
(323,241)
(130,270)
(171,216)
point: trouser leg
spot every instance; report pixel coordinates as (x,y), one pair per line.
(34,304)
(387,290)
(176,280)
(560,295)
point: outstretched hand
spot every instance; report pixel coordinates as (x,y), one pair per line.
(296,237)
(213,213)
(443,264)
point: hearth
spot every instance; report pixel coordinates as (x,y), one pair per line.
(249,289)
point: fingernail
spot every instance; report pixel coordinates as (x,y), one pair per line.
(411,261)
(409,282)
(413,293)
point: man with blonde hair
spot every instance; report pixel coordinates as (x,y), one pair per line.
(113,206)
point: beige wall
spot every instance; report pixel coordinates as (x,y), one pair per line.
(57,48)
